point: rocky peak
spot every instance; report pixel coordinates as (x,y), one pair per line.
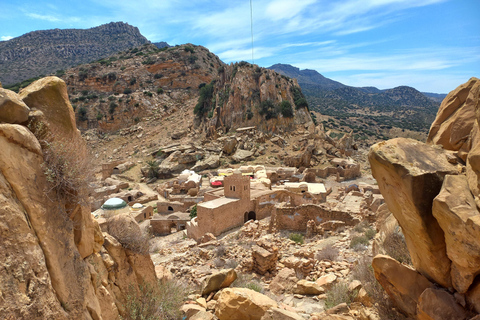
(46,51)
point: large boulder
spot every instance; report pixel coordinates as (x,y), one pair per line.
(242,304)
(455,118)
(410,175)
(403,284)
(12,109)
(458,216)
(49,95)
(284,281)
(436,304)
(219,281)
(242,155)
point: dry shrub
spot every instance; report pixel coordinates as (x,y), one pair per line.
(396,247)
(327,253)
(128,233)
(363,272)
(68,169)
(160,301)
(220,251)
(337,294)
(247,281)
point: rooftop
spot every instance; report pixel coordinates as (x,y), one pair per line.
(217,202)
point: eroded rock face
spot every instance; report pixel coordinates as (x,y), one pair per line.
(458,216)
(455,118)
(409,175)
(50,266)
(404,285)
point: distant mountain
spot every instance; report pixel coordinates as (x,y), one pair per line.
(161,44)
(367,109)
(435,96)
(47,51)
(306,76)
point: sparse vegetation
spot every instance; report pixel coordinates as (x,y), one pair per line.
(339,294)
(193,212)
(286,109)
(358,242)
(247,281)
(396,247)
(268,109)
(297,238)
(327,253)
(204,100)
(151,302)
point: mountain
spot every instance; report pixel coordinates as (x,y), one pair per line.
(306,76)
(435,96)
(368,110)
(161,44)
(48,51)
(187,81)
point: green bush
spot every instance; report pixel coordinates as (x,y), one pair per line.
(370,233)
(286,109)
(268,109)
(160,91)
(82,114)
(193,212)
(127,91)
(358,240)
(112,107)
(204,100)
(189,49)
(297,237)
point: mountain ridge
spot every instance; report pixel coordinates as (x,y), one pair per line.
(46,51)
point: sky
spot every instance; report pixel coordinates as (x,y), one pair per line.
(431,45)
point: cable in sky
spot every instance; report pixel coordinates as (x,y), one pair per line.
(251,27)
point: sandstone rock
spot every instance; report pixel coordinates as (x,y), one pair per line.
(280,314)
(190,310)
(50,96)
(242,155)
(202,315)
(364,298)
(327,280)
(211,162)
(69,274)
(12,109)
(179,134)
(218,281)
(25,285)
(242,304)
(301,160)
(435,304)
(410,175)
(229,145)
(284,281)
(403,284)
(455,118)
(458,216)
(308,288)
(163,274)
(473,296)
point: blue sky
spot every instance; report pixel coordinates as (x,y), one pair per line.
(432,45)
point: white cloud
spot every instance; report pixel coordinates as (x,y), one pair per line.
(5,38)
(43,17)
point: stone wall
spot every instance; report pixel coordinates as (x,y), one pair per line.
(296,218)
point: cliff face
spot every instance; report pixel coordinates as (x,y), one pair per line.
(55,262)
(46,51)
(246,95)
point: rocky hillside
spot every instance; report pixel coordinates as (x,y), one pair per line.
(117,92)
(369,111)
(49,51)
(432,190)
(55,261)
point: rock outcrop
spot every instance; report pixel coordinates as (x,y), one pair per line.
(242,303)
(53,264)
(435,199)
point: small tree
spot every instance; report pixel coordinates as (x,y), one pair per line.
(193,212)
(286,109)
